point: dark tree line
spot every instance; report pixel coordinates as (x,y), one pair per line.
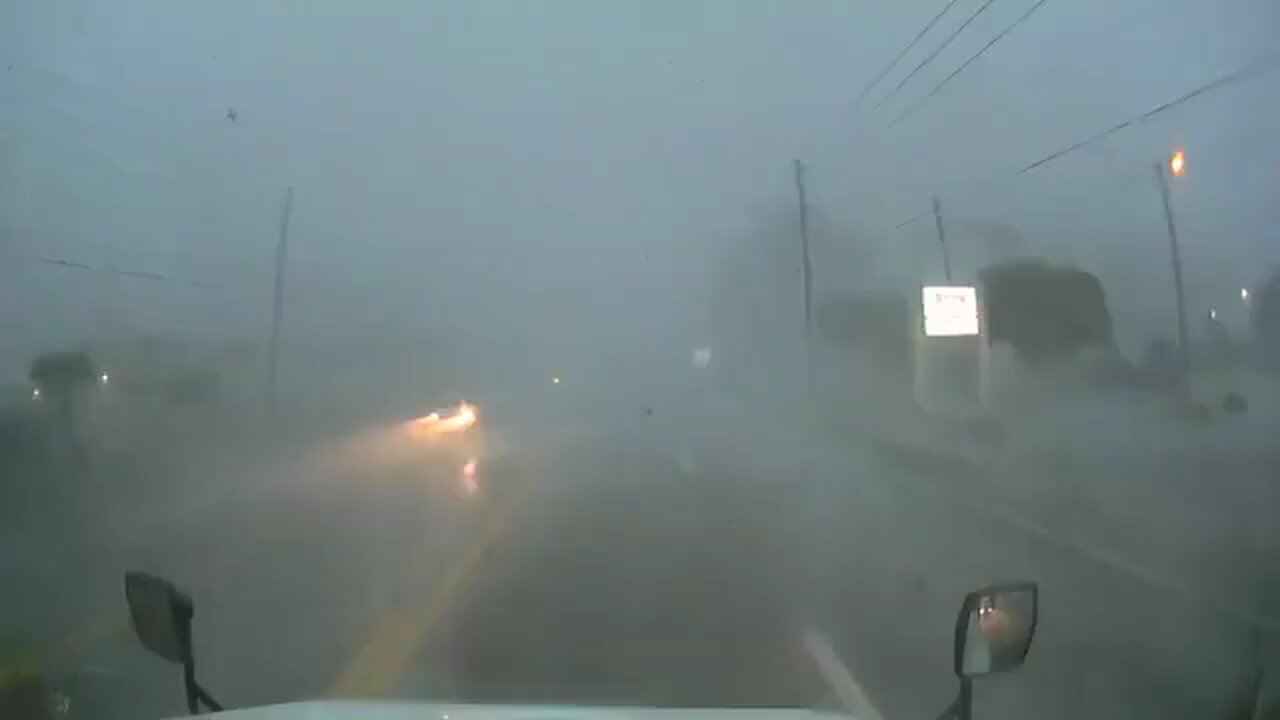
(1045,311)
(1265,316)
(61,379)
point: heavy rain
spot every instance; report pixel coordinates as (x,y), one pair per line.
(780,357)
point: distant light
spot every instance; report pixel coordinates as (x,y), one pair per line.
(555,381)
(1177,163)
(104,378)
(1213,314)
(1244,294)
(35,393)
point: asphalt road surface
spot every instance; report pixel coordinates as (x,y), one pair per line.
(645,560)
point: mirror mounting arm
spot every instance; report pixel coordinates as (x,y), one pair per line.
(962,707)
(192,688)
(195,693)
(209,702)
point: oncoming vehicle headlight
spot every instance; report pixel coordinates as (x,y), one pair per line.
(466,415)
(459,419)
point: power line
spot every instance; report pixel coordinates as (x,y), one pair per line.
(141,275)
(1222,81)
(999,36)
(937,51)
(65,263)
(901,54)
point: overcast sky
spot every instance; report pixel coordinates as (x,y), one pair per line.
(564,163)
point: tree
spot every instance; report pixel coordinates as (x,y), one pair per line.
(61,379)
(1045,312)
(60,376)
(194,388)
(877,322)
(1265,317)
(758,289)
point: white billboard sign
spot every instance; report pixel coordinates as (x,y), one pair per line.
(950,311)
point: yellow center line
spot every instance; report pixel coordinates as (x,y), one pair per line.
(110,626)
(398,636)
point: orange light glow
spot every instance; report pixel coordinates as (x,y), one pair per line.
(464,418)
(1177,163)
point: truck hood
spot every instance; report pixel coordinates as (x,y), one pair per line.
(356,710)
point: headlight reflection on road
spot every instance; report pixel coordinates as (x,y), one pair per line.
(469,484)
(441,444)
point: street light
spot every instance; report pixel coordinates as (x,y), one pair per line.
(1177,166)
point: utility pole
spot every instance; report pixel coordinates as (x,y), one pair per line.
(942,237)
(277,307)
(1179,295)
(806,265)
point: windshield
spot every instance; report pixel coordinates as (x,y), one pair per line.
(678,354)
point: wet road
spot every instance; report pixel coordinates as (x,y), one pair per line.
(628,563)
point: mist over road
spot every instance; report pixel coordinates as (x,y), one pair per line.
(673,557)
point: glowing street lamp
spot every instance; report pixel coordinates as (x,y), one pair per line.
(1177,165)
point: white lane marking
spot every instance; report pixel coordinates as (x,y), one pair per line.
(1136,570)
(853,697)
(1004,511)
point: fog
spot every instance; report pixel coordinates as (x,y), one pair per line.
(546,209)
(570,161)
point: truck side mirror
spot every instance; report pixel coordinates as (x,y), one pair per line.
(161,617)
(993,634)
(160,614)
(994,628)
